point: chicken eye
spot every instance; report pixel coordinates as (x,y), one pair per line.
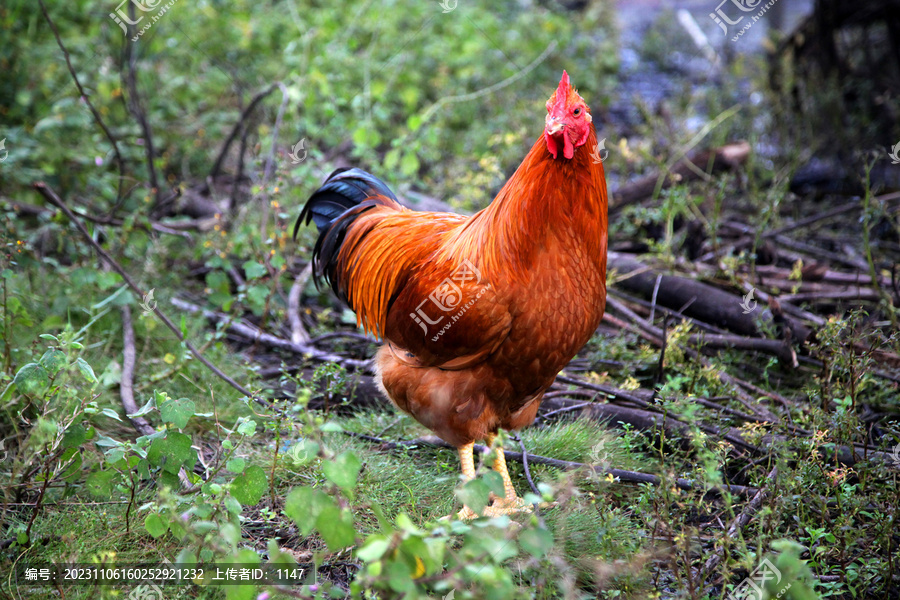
(576,112)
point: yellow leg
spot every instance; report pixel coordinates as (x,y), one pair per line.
(467,464)
(511,502)
(467,460)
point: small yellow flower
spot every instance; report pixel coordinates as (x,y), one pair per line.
(420,568)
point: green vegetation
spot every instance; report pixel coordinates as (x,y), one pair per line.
(443,104)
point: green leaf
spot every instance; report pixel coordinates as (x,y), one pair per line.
(343,470)
(111,414)
(232,505)
(76,435)
(53,361)
(414,122)
(177,412)
(155,525)
(240,592)
(246,426)
(170,480)
(172,452)
(277,261)
(114,455)
(249,487)
(400,576)
(72,472)
(107,442)
(236,465)
(254,269)
(304,504)
(374,548)
(418,556)
(32,380)
(107,279)
(536,542)
(409,164)
(474,494)
(303,452)
(144,409)
(85,369)
(494,482)
(257,296)
(336,527)
(99,483)
(392,159)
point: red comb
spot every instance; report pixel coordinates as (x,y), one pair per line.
(563,90)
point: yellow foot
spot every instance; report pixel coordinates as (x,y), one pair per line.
(500,506)
(508,506)
(467,514)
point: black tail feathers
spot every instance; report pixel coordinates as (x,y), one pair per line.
(344,189)
(344,194)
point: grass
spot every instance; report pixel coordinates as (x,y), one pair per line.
(828,528)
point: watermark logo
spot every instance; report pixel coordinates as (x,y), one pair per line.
(723,19)
(4,152)
(448,6)
(448,297)
(753,588)
(599,153)
(149,304)
(894,153)
(295,155)
(122,19)
(749,304)
(896,456)
(599,454)
(146,592)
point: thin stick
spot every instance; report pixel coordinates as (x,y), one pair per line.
(87,100)
(270,161)
(126,385)
(136,108)
(299,335)
(621,475)
(255,334)
(50,195)
(741,521)
(217,166)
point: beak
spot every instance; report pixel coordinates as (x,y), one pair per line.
(554,125)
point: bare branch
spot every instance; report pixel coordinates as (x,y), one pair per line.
(87,100)
(50,195)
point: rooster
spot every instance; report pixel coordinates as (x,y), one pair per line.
(478,314)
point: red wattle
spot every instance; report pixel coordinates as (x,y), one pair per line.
(551,144)
(568,148)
